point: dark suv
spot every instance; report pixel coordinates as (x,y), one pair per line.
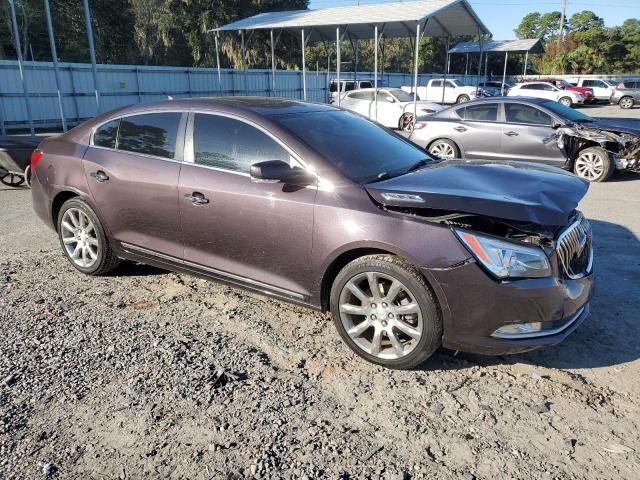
(318,206)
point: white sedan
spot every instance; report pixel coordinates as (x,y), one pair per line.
(395,106)
(546,90)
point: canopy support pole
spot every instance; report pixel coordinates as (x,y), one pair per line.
(486,63)
(504,72)
(304,69)
(526,62)
(54,58)
(480,62)
(466,65)
(444,80)
(375,71)
(273,64)
(215,37)
(338,86)
(415,73)
(92,50)
(243,48)
(25,90)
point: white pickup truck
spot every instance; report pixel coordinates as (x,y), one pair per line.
(602,89)
(455,91)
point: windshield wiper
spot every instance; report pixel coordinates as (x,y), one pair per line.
(418,165)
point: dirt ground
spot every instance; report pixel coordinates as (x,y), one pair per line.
(149,374)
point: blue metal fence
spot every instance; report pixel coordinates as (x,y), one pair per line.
(127,84)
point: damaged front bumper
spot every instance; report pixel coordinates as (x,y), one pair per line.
(476,307)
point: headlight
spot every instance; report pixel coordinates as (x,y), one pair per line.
(505,259)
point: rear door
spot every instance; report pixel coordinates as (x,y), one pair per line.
(132,168)
(528,135)
(247,232)
(480,132)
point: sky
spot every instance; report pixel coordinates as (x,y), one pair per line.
(502,16)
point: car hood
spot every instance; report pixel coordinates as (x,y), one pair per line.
(623,125)
(516,191)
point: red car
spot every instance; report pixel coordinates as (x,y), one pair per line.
(587,93)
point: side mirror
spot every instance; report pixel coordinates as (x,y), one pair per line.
(556,125)
(390,99)
(277,171)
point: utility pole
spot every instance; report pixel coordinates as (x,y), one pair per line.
(562,17)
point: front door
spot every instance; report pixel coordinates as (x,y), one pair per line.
(132,168)
(245,232)
(528,135)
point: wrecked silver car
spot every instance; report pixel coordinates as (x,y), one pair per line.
(535,130)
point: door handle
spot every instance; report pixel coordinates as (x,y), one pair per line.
(196,198)
(99,176)
(511,134)
(460,129)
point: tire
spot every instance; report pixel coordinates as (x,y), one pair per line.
(593,164)
(417,332)
(566,101)
(626,103)
(406,122)
(98,258)
(463,99)
(443,149)
(27,176)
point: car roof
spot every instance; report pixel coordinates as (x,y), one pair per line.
(263,106)
(516,98)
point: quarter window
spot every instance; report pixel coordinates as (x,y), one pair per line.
(150,133)
(520,113)
(230,144)
(106,135)
(482,113)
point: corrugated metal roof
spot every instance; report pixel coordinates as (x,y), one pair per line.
(442,18)
(531,45)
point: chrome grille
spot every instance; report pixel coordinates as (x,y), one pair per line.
(574,248)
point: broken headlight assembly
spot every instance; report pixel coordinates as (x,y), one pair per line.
(506,259)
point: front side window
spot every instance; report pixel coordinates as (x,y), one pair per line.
(450,84)
(361,95)
(365,85)
(230,144)
(520,113)
(150,134)
(106,135)
(482,112)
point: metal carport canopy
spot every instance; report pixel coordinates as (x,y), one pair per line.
(400,19)
(527,45)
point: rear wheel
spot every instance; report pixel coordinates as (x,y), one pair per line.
(443,149)
(566,101)
(83,239)
(626,103)
(385,312)
(463,99)
(593,164)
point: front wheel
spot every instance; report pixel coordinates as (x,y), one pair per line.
(626,103)
(406,122)
(385,312)
(593,164)
(566,101)
(463,99)
(83,239)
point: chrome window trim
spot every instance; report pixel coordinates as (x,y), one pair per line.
(135,114)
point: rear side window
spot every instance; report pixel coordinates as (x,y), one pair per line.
(482,113)
(106,135)
(230,144)
(519,113)
(366,85)
(150,134)
(436,83)
(362,95)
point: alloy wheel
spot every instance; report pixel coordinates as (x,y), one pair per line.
(590,166)
(442,150)
(566,101)
(80,238)
(381,315)
(626,103)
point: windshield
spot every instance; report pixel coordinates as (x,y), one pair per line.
(401,95)
(566,112)
(362,150)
